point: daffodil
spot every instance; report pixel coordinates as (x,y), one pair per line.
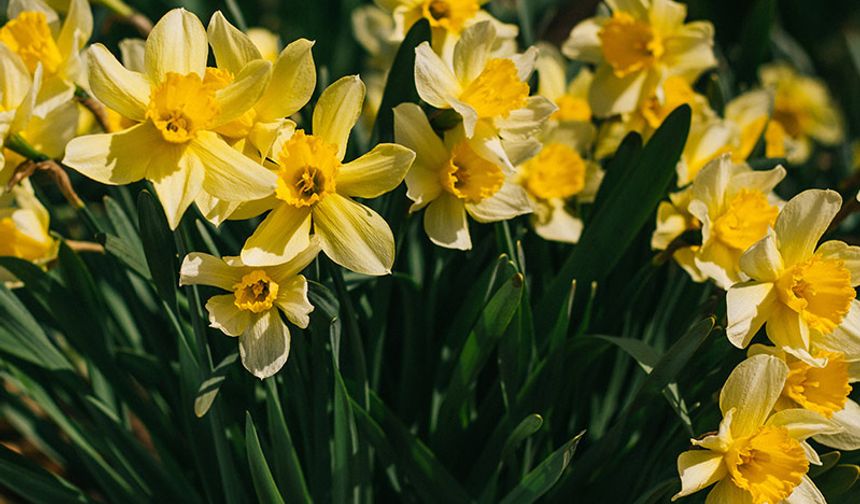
(315,191)
(491,93)
(24,229)
(175,144)
(673,220)
(268,43)
(34,32)
(17,99)
(803,110)
(749,113)
(452,180)
(803,292)
(636,49)
(571,98)
(822,389)
(557,178)
(252,310)
(448,19)
(756,457)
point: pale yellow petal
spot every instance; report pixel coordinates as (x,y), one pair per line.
(177,186)
(77,28)
(748,306)
(445,223)
(225,316)
(230,175)
(14,79)
(763,261)
(284,272)
(558,224)
(119,158)
(294,79)
(848,254)
(375,173)
(848,419)
(434,80)
(612,95)
(845,338)
(133,54)
(510,201)
(699,469)
(282,234)
(803,424)
(338,110)
(204,269)
(413,130)
(121,90)
(244,92)
(354,236)
(233,49)
(473,51)
(726,492)
(177,43)
(806,493)
(751,390)
(293,301)
(787,329)
(552,72)
(583,44)
(803,221)
(265,346)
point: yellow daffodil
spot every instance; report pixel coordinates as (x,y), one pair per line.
(491,93)
(822,389)
(558,177)
(673,220)
(453,180)
(24,233)
(448,19)
(749,113)
(735,207)
(17,99)
(649,115)
(252,312)
(175,144)
(802,292)
(756,457)
(803,110)
(268,43)
(635,49)
(315,190)
(571,98)
(35,34)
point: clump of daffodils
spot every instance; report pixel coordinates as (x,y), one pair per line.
(24,230)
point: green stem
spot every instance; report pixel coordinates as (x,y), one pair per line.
(18,145)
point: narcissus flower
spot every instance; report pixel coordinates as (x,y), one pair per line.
(571,98)
(635,49)
(447,18)
(251,311)
(802,292)
(673,220)
(491,93)
(24,231)
(803,110)
(175,145)
(756,457)
(558,178)
(35,34)
(823,389)
(452,180)
(736,207)
(315,190)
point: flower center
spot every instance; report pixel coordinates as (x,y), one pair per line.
(745,219)
(769,464)
(571,108)
(629,45)
(29,36)
(497,90)
(558,171)
(821,389)
(819,290)
(15,243)
(256,292)
(182,105)
(449,14)
(309,166)
(469,176)
(676,92)
(218,79)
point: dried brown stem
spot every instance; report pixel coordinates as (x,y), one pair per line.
(85,246)
(61,178)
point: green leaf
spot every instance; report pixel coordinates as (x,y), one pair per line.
(208,390)
(288,469)
(159,247)
(125,245)
(22,337)
(627,207)
(659,492)
(400,86)
(544,476)
(34,483)
(838,480)
(755,38)
(264,483)
(828,461)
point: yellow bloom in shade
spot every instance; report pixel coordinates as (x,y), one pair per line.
(315,190)
(448,19)
(557,178)
(749,113)
(24,229)
(736,207)
(755,457)
(802,292)
(491,94)
(636,49)
(803,110)
(673,220)
(174,144)
(257,297)
(453,180)
(34,33)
